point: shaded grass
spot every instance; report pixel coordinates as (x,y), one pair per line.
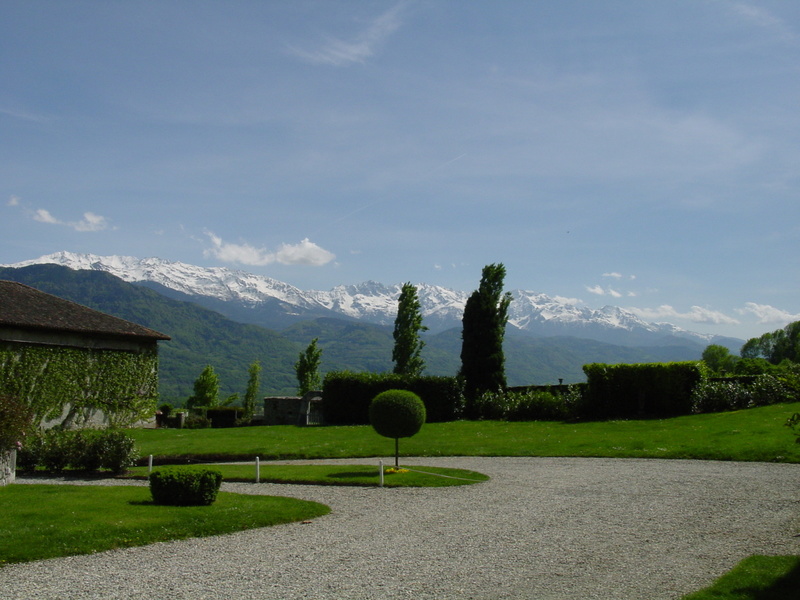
(756,434)
(48,521)
(355,475)
(756,578)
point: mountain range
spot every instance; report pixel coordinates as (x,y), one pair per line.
(229,318)
(271,303)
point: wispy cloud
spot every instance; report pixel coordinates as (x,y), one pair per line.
(13,201)
(90,221)
(696,314)
(768,314)
(304,253)
(599,290)
(761,17)
(339,52)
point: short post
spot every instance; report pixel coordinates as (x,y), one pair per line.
(258,470)
(150,464)
(381,476)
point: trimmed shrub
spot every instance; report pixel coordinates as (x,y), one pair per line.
(182,486)
(397,413)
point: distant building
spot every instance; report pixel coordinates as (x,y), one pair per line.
(99,366)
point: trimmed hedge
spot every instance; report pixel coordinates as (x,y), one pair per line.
(641,390)
(348,395)
(182,486)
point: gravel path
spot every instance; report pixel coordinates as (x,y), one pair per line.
(543,528)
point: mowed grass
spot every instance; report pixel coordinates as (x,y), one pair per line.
(47,521)
(756,434)
(756,578)
(356,475)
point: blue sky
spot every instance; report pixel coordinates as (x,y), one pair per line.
(641,154)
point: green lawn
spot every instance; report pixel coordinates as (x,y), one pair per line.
(756,578)
(47,521)
(358,475)
(756,434)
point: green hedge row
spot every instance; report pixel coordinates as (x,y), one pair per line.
(640,390)
(348,395)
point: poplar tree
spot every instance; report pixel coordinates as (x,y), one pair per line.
(407,352)
(307,368)
(251,394)
(484,324)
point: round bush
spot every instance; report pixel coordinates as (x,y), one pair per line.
(397,413)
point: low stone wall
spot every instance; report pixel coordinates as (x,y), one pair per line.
(8,464)
(293,410)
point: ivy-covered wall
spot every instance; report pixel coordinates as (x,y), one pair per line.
(122,384)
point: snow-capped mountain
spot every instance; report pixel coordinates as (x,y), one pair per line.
(262,300)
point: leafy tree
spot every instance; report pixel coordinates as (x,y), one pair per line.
(206,389)
(719,359)
(406,354)
(307,368)
(776,346)
(251,394)
(484,324)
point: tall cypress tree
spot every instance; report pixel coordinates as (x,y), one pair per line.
(484,325)
(407,327)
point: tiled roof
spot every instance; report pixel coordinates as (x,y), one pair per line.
(26,307)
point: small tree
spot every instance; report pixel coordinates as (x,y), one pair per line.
(206,389)
(251,394)
(396,414)
(307,368)
(407,327)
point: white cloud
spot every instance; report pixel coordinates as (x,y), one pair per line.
(601,291)
(338,53)
(90,221)
(569,301)
(304,253)
(761,17)
(696,314)
(13,201)
(768,314)
(614,275)
(44,216)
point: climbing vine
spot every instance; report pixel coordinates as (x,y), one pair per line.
(121,384)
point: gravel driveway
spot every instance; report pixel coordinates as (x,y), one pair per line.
(543,528)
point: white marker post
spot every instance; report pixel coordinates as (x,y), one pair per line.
(150,464)
(381,468)
(258,470)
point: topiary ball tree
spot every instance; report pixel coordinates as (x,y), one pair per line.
(396,414)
